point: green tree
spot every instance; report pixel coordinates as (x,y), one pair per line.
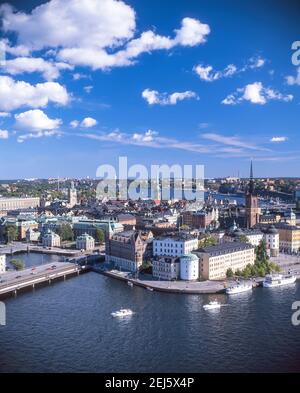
(238,272)
(261,252)
(207,241)
(11,233)
(229,273)
(99,236)
(18,264)
(244,239)
(65,232)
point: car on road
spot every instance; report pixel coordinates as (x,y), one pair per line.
(18,276)
(54,266)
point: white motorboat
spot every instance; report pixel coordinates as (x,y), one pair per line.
(149,289)
(211,305)
(130,283)
(239,288)
(124,312)
(276,280)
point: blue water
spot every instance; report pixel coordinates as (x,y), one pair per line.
(68,327)
(33,259)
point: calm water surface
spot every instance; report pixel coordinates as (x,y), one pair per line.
(68,327)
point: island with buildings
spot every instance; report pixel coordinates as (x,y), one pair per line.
(166,245)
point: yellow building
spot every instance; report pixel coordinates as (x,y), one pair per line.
(216,260)
(289,238)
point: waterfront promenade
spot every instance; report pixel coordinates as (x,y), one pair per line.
(145,281)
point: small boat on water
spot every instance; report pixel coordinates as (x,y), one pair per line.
(212,305)
(149,289)
(276,280)
(124,312)
(130,283)
(239,288)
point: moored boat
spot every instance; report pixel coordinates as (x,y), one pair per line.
(239,288)
(276,280)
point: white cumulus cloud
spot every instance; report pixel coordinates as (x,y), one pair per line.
(154,97)
(96,33)
(16,94)
(87,122)
(256,93)
(22,65)
(36,120)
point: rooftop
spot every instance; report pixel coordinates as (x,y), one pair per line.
(224,248)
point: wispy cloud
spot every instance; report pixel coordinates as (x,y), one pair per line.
(278,139)
(232,141)
(208,74)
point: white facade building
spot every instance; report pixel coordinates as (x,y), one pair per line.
(174,246)
(189,267)
(166,268)
(51,239)
(32,236)
(271,237)
(2,264)
(85,242)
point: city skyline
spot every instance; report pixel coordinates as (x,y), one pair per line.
(195,84)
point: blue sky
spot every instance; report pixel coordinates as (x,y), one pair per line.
(201,82)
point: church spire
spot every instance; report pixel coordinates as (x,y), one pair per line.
(251,183)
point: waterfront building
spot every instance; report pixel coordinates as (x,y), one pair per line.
(7,204)
(166,268)
(252,208)
(90,227)
(125,250)
(51,239)
(85,242)
(22,223)
(271,237)
(214,261)
(189,267)
(2,264)
(174,246)
(289,238)
(32,235)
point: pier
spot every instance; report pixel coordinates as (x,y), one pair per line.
(18,281)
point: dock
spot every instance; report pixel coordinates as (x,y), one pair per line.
(13,283)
